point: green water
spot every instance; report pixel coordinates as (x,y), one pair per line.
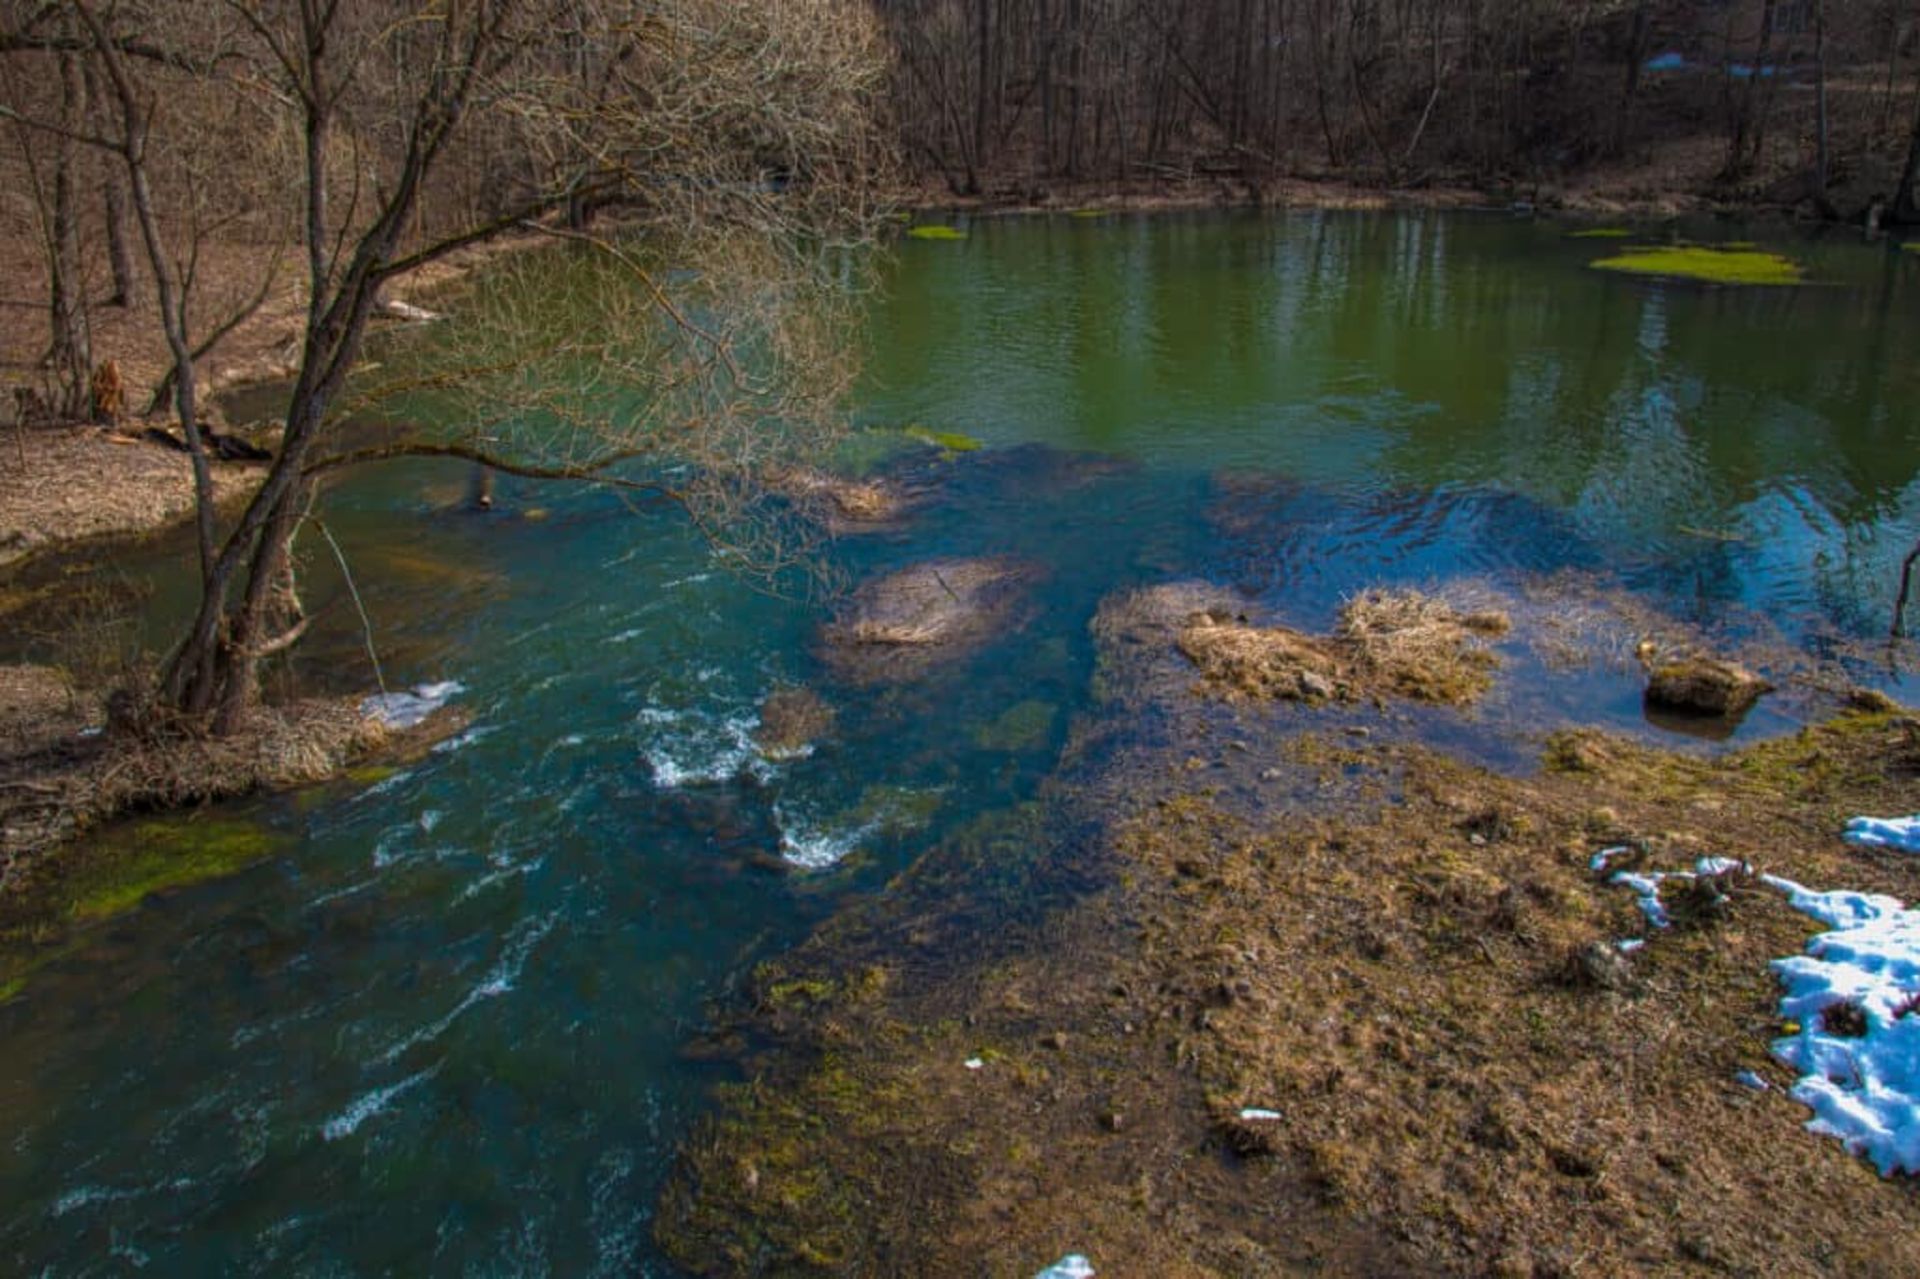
(442,1029)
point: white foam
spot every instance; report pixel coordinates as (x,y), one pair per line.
(695,748)
(1902,833)
(1259,1114)
(367,1105)
(499,980)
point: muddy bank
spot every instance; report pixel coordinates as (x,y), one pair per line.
(63,485)
(1255,987)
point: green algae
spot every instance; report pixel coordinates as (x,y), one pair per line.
(1022,727)
(949,441)
(1707,265)
(935,231)
(1601,233)
(132,864)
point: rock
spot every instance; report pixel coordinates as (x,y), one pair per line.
(845,505)
(1056,1041)
(1314,684)
(902,625)
(1597,965)
(1705,686)
(792,719)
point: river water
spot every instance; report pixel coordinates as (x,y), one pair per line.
(445,1028)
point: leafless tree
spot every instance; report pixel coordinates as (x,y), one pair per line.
(739,140)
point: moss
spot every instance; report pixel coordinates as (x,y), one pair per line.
(1710,266)
(1022,727)
(128,866)
(951,441)
(11,987)
(936,231)
(1601,233)
(1911,246)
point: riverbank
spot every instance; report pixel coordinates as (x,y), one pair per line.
(61,484)
(1338,1005)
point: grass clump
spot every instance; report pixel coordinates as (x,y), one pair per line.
(1709,266)
(935,231)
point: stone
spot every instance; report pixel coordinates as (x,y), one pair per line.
(1705,686)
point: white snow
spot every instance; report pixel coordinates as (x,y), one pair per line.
(1902,833)
(1604,856)
(405,710)
(1865,1091)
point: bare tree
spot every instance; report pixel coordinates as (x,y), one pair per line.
(741,135)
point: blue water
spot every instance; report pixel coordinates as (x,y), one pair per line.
(447,1030)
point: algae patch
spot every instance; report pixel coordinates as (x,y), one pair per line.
(1601,233)
(950,441)
(1023,727)
(935,231)
(1709,266)
(148,857)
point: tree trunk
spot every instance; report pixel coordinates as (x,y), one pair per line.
(70,354)
(1906,197)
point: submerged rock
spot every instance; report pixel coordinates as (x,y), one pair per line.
(900,626)
(1705,686)
(792,720)
(844,504)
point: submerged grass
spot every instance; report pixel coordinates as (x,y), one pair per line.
(1707,265)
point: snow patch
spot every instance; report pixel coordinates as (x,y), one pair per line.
(1864,1090)
(1902,833)
(409,709)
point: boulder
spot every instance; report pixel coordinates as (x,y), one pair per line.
(902,625)
(1704,686)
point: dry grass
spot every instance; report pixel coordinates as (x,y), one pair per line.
(842,504)
(66,484)
(792,719)
(1387,643)
(59,782)
(1470,1079)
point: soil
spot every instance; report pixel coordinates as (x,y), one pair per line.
(60,485)
(63,483)
(1254,1000)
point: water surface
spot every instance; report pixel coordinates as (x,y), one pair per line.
(445,1030)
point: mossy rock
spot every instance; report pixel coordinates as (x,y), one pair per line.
(935,231)
(1706,265)
(1705,686)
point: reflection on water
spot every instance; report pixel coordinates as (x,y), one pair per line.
(444,1033)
